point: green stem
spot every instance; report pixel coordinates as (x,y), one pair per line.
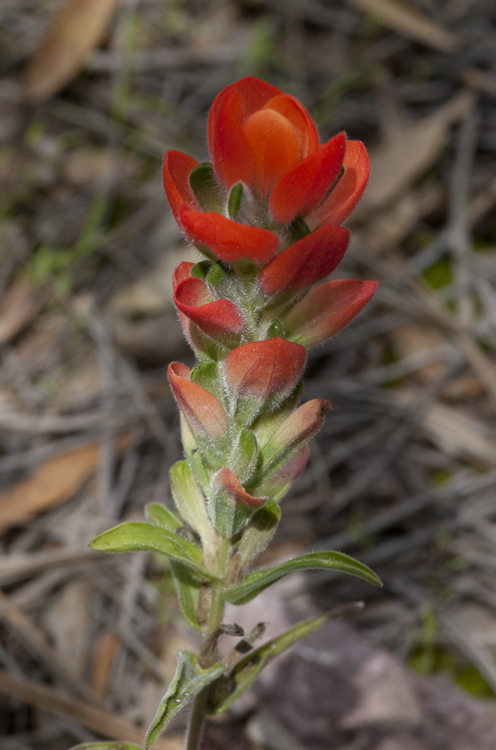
(195,723)
(215,616)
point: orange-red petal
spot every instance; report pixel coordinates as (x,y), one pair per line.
(345,196)
(301,188)
(176,171)
(273,141)
(229,148)
(292,110)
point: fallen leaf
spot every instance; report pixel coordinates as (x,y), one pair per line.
(400,161)
(78,29)
(105,650)
(19,307)
(409,22)
(52,483)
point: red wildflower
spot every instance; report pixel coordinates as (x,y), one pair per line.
(266,142)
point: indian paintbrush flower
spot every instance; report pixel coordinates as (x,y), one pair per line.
(266,214)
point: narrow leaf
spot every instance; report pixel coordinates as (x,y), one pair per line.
(159,515)
(256,582)
(190,502)
(258,533)
(189,680)
(138,536)
(188,592)
(232,684)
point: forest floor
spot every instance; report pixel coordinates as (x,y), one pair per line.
(403,474)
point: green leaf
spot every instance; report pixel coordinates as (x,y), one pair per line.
(188,592)
(201,269)
(138,536)
(206,374)
(189,680)
(234,202)
(258,533)
(275,329)
(244,455)
(205,187)
(218,277)
(256,582)
(106,746)
(231,685)
(190,502)
(298,229)
(159,515)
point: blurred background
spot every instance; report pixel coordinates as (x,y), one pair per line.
(403,475)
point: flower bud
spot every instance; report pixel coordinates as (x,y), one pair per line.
(282,481)
(291,436)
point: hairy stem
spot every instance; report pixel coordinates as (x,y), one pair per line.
(215,616)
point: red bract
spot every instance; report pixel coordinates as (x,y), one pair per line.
(176,172)
(227,239)
(348,191)
(204,414)
(264,368)
(227,482)
(327,309)
(299,427)
(305,262)
(264,142)
(216,318)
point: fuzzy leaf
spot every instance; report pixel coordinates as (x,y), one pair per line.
(231,685)
(244,455)
(188,681)
(138,536)
(205,187)
(159,515)
(258,533)
(256,582)
(190,502)
(188,591)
